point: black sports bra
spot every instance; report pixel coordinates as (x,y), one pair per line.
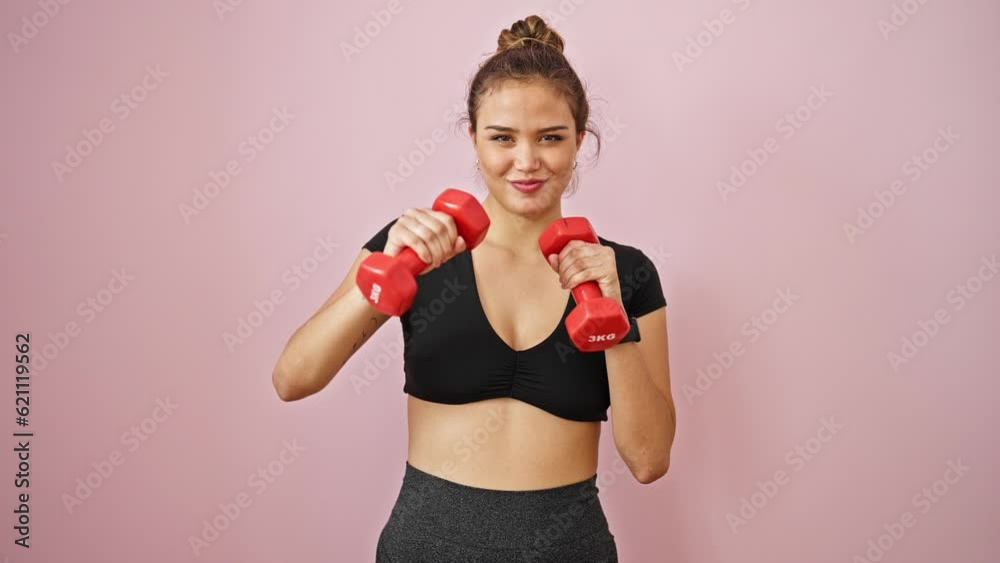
(452,355)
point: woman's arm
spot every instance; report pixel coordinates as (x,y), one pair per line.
(643,416)
(320,347)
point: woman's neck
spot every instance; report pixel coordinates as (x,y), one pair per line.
(515,233)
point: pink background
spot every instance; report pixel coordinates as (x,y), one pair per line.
(722,261)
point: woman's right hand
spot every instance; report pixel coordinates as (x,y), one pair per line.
(431,234)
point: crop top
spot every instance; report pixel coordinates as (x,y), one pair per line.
(452,355)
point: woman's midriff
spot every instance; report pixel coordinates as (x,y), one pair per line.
(501,444)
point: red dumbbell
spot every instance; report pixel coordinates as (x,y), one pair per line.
(389,282)
(597,322)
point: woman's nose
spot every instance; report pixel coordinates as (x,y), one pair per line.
(526,157)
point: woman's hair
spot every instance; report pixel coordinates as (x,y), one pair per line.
(531,51)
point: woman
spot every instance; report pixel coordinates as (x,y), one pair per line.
(504,412)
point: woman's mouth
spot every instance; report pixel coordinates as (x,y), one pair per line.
(529,186)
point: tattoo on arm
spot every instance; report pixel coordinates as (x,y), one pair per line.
(365,333)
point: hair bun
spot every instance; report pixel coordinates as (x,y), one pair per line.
(523,33)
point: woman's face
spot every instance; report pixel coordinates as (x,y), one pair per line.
(526,132)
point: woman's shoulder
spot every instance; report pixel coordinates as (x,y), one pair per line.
(625,254)
(378,240)
(642,291)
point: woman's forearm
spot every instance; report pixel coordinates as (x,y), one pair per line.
(324,343)
(643,420)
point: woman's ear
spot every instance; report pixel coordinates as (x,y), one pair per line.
(579,138)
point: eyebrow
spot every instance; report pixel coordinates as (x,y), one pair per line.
(511,129)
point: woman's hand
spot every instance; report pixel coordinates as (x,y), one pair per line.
(584,261)
(431,234)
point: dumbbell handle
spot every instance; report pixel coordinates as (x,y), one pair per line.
(586,291)
(411,260)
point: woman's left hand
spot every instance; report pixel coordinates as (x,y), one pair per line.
(584,261)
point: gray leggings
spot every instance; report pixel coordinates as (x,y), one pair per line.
(440,521)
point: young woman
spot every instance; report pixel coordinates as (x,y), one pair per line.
(504,411)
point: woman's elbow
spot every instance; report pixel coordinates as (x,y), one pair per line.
(652,474)
(282,385)
(291,383)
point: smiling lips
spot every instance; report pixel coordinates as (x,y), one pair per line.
(528,186)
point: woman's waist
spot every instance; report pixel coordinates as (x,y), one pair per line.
(497,519)
(500,444)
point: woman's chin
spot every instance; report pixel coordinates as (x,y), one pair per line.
(540,200)
(529,205)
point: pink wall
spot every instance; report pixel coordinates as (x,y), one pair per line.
(151,291)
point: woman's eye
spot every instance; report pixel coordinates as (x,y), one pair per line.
(554,138)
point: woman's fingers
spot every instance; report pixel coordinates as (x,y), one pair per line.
(440,233)
(431,234)
(406,233)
